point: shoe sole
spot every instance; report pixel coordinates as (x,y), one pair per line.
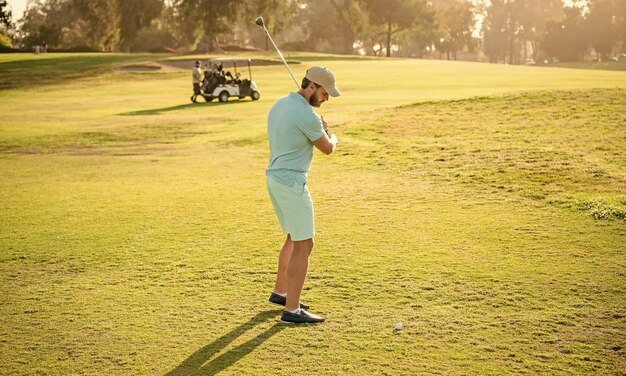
(298,323)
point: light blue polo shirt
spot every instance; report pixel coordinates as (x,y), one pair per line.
(292,126)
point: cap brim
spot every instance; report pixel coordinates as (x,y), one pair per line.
(333,91)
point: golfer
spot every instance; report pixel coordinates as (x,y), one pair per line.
(293,129)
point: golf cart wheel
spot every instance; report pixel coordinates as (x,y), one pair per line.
(255,95)
(224,96)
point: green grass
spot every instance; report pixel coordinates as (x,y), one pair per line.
(482,206)
(26,70)
(605,65)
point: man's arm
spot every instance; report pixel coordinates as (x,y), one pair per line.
(326,144)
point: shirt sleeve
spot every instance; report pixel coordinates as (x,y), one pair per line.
(312,127)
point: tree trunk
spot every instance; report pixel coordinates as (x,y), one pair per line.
(388,39)
(346,43)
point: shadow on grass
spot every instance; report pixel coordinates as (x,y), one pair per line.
(196,363)
(158,111)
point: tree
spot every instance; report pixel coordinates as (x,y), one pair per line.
(45,22)
(94,24)
(567,40)
(395,16)
(213,17)
(183,23)
(134,16)
(497,31)
(510,25)
(276,14)
(456,21)
(422,36)
(6,17)
(351,22)
(336,24)
(603,27)
(621,22)
(533,15)
(71,23)
(102,18)
(6,24)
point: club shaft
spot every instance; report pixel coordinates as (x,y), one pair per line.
(281,56)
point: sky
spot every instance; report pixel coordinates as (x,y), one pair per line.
(19,6)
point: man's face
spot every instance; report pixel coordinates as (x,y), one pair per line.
(318,97)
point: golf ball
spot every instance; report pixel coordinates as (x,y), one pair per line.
(399,326)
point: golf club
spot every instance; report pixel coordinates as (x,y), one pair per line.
(259,21)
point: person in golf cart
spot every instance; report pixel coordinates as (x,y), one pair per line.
(223,74)
(221,84)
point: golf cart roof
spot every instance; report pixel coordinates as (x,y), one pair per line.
(230,60)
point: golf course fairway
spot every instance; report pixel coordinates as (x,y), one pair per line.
(482,206)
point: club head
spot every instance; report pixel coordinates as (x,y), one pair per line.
(259,21)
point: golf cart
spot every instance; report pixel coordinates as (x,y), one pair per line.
(221,84)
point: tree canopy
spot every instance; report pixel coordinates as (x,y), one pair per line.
(6,24)
(5,15)
(513,31)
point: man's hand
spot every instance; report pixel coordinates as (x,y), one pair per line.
(324,125)
(333,139)
(326,144)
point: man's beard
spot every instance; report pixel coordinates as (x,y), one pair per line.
(313,101)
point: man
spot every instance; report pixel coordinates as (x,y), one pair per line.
(293,129)
(196,78)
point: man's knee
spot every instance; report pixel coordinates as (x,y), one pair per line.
(303,245)
(288,240)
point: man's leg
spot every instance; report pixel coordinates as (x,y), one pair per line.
(283,262)
(296,272)
(196,92)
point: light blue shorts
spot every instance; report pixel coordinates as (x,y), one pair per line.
(293,207)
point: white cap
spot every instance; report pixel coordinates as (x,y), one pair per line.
(323,77)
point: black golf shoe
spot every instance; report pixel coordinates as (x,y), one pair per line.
(281,300)
(303,317)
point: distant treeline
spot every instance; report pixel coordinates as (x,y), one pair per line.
(513,31)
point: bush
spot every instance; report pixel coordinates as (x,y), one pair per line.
(4,49)
(5,41)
